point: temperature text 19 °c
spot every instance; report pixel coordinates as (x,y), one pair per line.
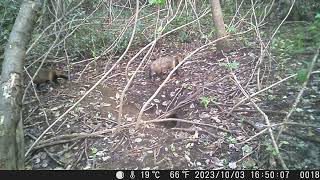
(150,174)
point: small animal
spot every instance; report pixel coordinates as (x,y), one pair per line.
(163,64)
(48,76)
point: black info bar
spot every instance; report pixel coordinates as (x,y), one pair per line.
(164,174)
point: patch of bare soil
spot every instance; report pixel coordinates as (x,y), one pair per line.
(209,141)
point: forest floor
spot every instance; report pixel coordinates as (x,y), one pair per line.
(213,140)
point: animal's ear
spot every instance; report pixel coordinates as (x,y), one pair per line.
(180,57)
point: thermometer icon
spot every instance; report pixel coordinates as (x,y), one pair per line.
(132,176)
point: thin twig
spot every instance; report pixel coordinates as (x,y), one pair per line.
(299,96)
(235,79)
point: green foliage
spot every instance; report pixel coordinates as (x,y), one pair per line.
(211,33)
(271,149)
(94,152)
(302,75)
(231,140)
(242,120)
(231,66)
(122,45)
(185,34)
(178,21)
(157,2)
(184,37)
(271,96)
(249,164)
(300,38)
(8,11)
(246,150)
(89,40)
(314,30)
(283,143)
(246,42)
(289,45)
(205,100)
(231,29)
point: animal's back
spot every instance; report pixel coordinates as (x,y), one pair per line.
(163,65)
(166,63)
(41,77)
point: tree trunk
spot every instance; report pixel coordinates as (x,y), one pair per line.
(217,17)
(11,128)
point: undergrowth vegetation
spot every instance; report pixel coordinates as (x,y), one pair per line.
(267,49)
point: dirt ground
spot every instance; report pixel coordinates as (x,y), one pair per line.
(212,139)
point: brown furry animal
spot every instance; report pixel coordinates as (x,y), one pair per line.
(45,76)
(163,64)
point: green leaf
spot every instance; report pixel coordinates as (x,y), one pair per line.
(231,29)
(302,75)
(160,28)
(231,140)
(283,142)
(94,150)
(246,149)
(156,2)
(205,100)
(231,66)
